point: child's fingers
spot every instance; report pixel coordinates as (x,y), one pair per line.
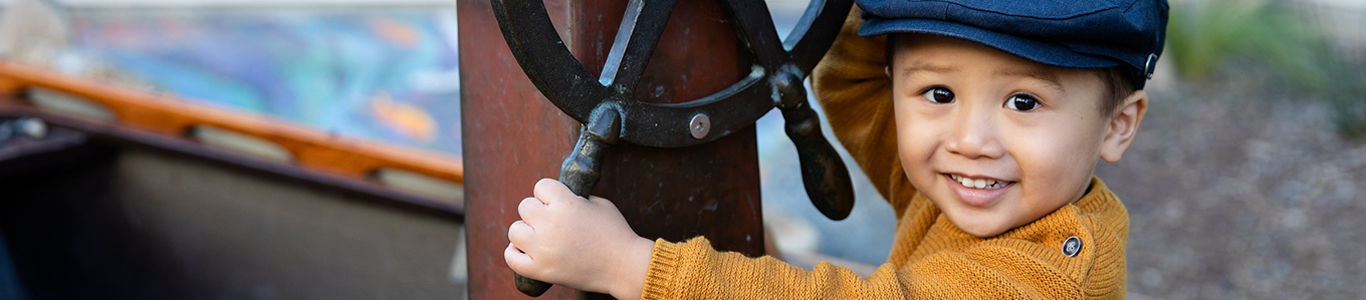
(551,191)
(519,262)
(531,209)
(522,234)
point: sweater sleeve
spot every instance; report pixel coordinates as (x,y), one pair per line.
(853,89)
(692,270)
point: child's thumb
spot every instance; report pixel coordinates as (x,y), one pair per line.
(550,191)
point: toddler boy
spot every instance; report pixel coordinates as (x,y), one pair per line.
(980,121)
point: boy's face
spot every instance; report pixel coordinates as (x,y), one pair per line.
(996,141)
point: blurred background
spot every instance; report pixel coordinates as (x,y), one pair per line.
(1242,183)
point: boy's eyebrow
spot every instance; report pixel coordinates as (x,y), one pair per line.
(924,66)
(1047,77)
(1036,73)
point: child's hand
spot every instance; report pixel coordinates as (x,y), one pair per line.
(582,244)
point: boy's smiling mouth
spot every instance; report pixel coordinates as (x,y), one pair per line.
(978,192)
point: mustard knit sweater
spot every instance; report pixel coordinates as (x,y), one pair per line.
(930,258)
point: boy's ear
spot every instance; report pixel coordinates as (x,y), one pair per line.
(1123,126)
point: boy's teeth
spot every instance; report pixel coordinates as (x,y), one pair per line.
(978,183)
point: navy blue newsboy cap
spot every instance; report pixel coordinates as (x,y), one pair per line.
(1064,33)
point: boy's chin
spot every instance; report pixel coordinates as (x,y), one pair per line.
(978,224)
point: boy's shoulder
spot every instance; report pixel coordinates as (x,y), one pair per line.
(1083,242)
(1100,202)
(1097,225)
(1079,237)
(1093,220)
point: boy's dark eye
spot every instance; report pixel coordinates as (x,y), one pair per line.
(939,95)
(1022,102)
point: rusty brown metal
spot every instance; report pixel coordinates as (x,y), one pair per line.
(513,136)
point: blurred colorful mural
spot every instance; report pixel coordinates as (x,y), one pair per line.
(381,74)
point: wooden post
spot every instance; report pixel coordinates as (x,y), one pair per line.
(513,136)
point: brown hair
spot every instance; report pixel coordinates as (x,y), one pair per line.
(1117,88)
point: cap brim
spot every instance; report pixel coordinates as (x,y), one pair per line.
(1047,53)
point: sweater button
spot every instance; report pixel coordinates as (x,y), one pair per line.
(1072,246)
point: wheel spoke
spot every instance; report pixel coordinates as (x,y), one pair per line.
(532,38)
(537,46)
(636,40)
(816,31)
(754,25)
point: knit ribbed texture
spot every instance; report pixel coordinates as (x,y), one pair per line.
(1024,263)
(930,258)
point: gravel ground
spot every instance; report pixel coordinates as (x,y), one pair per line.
(1238,194)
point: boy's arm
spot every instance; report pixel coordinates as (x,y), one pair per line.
(1027,262)
(587,245)
(852,87)
(692,270)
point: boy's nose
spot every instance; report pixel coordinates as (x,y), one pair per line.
(974,133)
